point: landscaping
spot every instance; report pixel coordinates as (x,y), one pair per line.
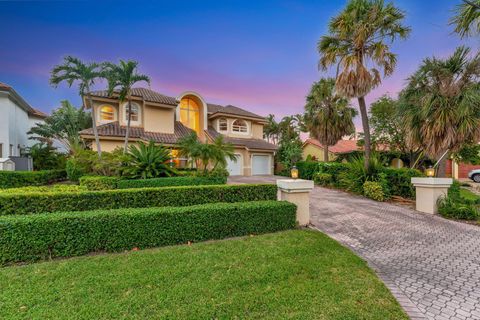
(16,179)
(293,274)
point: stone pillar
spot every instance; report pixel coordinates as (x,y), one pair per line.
(297,191)
(428,191)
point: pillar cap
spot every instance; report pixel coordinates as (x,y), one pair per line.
(295,185)
(432,182)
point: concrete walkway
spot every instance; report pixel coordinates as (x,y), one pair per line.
(431,265)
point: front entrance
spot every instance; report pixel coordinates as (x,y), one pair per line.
(235,168)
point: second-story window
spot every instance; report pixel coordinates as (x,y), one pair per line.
(107,113)
(222,124)
(190,114)
(240,126)
(134,112)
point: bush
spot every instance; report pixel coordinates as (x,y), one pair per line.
(322,179)
(355,175)
(43,236)
(373,190)
(171,182)
(37,202)
(334,169)
(94,183)
(16,179)
(53,188)
(306,169)
(450,207)
(75,169)
(399,181)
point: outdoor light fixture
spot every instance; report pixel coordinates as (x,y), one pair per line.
(294,172)
(430,172)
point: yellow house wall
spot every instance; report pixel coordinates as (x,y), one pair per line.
(257,130)
(108,145)
(158,119)
(315,151)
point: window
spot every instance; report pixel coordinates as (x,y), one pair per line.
(135,111)
(239,126)
(190,114)
(222,124)
(12,150)
(107,113)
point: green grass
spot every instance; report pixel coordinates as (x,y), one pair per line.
(298,274)
(467,194)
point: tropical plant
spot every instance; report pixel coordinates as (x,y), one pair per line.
(328,117)
(440,106)
(46,157)
(358,46)
(467,18)
(290,145)
(189,148)
(121,79)
(357,174)
(221,152)
(62,126)
(148,161)
(386,126)
(271,130)
(74,70)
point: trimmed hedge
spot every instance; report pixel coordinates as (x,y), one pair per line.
(43,236)
(400,181)
(17,179)
(93,183)
(306,169)
(36,202)
(171,182)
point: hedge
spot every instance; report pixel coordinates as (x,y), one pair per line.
(17,179)
(93,183)
(43,236)
(400,181)
(36,202)
(109,183)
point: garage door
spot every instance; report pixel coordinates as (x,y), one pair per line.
(261,165)
(235,168)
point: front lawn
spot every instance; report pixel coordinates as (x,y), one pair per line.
(469,195)
(299,274)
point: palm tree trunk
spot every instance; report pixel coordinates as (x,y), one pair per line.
(442,166)
(127,133)
(366,129)
(94,124)
(325,153)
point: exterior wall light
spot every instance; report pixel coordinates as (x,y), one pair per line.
(294,172)
(430,172)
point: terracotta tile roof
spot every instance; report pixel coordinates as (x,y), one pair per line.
(39,114)
(145,94)
(4,86)
(229,109)
(342,146)
(249,143)
(113,129)
(21,102)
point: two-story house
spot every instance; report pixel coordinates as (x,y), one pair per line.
(165,120)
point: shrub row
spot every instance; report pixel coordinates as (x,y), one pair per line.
(36,202)
(16,179)
(43,236)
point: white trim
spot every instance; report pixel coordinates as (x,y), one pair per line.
(218,125)
(204,107)
(247,123)
(124,108)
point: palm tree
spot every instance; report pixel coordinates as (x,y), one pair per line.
(440,107)
(222,151)
(358,46)
(121,79)
(74,70)
(328,117)
(149,161)
(271,129)
(188,147)
(467,18)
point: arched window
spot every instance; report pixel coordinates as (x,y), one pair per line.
(222,124)
(190,114)
(107,113)
(240,126)
(135,111)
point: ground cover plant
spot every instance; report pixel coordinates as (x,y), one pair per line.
(297,274)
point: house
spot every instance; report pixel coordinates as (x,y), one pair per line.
(314,149)
(166,119)
(18,117)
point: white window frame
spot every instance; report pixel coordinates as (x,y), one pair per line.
(247,126)
(226,123)
(99,112)
(124,113)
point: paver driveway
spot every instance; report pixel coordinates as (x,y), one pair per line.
(430,264)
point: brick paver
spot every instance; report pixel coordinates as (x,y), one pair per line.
(431,265)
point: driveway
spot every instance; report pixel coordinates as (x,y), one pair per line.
(431,265)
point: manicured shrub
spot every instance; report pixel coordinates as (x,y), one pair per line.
(373,190)
(306,169)
(17,179)
(52,188)
(75,169)
(43,236)
(335,169)
(399,181)
(37,202)
(322,179)
(172,182)
(94,183)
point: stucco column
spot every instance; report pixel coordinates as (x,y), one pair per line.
(428,191)
(297,191)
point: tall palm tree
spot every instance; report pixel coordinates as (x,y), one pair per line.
(271,129)
(222,151)
(440,106)
(121,79)
(358,46)
(74,70)
(467,18)
(328,117)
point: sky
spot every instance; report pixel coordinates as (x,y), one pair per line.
(258,55)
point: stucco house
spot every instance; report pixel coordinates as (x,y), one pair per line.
(18,117)
(313,148)
(166,119)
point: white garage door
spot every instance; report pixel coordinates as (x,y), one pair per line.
(235,168)
(261,165)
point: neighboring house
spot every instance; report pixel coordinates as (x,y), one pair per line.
(18,117)
(314,149)
(165,120)
(459,170)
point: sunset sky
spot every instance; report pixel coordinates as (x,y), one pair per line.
(259,55)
